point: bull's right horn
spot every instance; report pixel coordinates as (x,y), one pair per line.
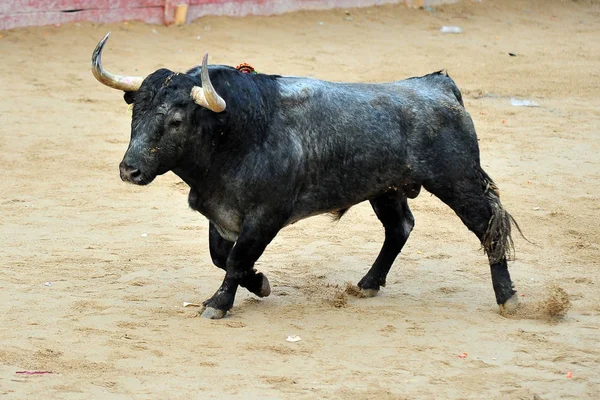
(121,82)
(206,96)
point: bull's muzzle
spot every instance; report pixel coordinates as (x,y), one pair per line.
(130,174)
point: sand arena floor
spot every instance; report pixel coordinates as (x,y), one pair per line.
(112,326)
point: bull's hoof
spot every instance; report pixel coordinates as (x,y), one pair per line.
(369,286)
(258,284)
(510,306)
(369,292)
(213,313)
(265,288)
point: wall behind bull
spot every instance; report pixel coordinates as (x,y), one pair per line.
(18,13)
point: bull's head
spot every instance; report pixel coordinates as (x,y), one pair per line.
(165,113)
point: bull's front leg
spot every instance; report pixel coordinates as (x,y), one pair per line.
(239,269)
(220,248)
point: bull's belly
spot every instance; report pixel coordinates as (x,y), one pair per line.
(228,221)
(316,203)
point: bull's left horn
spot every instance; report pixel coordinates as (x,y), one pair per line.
(207,96)
(121,82)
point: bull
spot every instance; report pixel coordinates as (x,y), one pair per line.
(260,152)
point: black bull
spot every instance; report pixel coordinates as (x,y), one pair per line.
(260,152)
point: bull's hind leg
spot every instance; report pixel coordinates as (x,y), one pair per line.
(393,212)
(476,200)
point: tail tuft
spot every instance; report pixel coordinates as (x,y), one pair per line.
(497,241)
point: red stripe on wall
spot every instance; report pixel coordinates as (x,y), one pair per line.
(153,15)
(18,13)
(31,6)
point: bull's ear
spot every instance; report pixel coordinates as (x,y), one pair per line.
(129,97)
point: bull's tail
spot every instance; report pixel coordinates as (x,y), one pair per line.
(445,79)
(456,92)
(497,241)
(454,88)
(442,79)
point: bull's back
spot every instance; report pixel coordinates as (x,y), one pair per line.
(358,140)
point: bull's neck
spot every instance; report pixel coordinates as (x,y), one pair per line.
(199,167)
(213,153)
(194,175)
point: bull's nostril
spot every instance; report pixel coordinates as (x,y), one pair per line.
(131,174)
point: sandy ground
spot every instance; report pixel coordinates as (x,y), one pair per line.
(121,259)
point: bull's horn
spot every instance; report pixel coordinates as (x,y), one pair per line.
(207,96)
(125,83)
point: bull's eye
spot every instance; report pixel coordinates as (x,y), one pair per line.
(175,123)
